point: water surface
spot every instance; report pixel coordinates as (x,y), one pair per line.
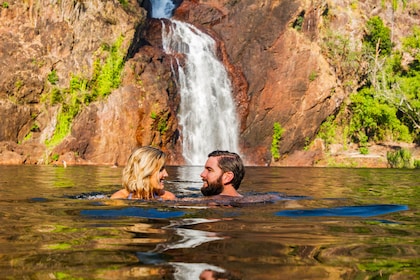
(328,223)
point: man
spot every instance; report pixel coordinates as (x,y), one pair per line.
(222,175)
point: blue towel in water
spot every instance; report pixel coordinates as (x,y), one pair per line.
(132,212)
(345,211)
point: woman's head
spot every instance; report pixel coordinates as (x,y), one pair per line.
(144,173)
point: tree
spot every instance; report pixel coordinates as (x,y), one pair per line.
(377,37)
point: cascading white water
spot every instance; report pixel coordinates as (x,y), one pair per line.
(162,8)
(207,113)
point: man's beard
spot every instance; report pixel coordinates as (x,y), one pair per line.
(213,188)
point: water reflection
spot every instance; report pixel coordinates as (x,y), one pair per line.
(174,236)
(48,232)
(348,211)
(188,271)
(187,238)
(184,180)
(190,238)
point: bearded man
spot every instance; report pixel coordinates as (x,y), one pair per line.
(222,174)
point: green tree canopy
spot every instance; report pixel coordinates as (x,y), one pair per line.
(377,37)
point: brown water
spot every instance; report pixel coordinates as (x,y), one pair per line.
(57,223)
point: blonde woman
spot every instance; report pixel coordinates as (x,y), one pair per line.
(143,176)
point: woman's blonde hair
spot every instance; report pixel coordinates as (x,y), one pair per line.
(141,174)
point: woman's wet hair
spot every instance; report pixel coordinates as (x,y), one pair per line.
(141,174)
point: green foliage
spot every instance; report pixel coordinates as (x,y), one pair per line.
(160,122)
(34,127)
(55,96)
(55,157)
(354,5)
(373,119)
(53,77)
(59,246)
(297,24)
(346,58)
(277,133)
(28,136)
(394,4)
(72,101)
(64,120)
(407,84)
(65,276)
(345,135)
(78,93)
(383,268)
(411,44)
(378,36)
(107,73)
(400,159)
(82,91)
(327,131)
(124,3)
(5,5)
(162,125)
(313,75)
(387,105)
(399,85)
(18,84)
(364,150)
(307,144)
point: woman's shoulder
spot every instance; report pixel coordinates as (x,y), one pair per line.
(167,196)
(123,193)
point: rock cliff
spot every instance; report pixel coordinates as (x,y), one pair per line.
(271,50)
(39,38)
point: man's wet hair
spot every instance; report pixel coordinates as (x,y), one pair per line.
(228,161)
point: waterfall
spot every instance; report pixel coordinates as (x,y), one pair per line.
(162,8)
(207,113)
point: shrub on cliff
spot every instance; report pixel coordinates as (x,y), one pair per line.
(277,133)
(386,106)
(82,91)
(400,159)
(377,37)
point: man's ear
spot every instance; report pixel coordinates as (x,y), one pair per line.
(227,177)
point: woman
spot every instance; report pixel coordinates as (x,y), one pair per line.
(143,176)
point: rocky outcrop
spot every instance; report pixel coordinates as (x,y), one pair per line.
(43,37)
(271,49)
(287,80)
(276,46)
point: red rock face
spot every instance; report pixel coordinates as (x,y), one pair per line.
(37,38)
(279,74)
(269,63)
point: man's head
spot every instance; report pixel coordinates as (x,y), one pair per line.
(222,168)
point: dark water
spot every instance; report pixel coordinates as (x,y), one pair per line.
(57,223)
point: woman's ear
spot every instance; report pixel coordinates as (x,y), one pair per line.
(227,177)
